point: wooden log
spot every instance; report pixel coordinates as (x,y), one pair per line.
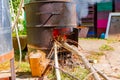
(51,53)
(65,72)
(75,50)
(56,62)
(102,74)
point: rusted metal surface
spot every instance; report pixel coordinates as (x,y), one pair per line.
(50,14)
(7,56)
(40,37)
(34,47)
(43,16)
(6,78)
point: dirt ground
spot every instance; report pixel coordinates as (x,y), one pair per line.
(109,63)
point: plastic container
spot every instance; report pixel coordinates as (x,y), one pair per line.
(102,36)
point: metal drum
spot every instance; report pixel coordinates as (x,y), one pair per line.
(39,38)
(43,16)
(50,14)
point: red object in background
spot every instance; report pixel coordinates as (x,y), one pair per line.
(100,31)
(102,23)
(117,7)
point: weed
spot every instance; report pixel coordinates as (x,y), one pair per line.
(89,39)
(106,47)
(77,71)
(24,67)
(5,65)
(80,72)
(95,55)
(112,41)
(17,55)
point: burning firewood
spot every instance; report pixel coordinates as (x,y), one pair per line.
(75,50)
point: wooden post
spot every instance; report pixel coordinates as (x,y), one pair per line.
(13,76)
(102,74)
(56,62)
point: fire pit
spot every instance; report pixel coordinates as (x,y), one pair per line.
(44,17)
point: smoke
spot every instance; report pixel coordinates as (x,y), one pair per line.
(82,7)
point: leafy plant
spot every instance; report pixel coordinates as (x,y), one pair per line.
(24,66)
(15,5)
(21,23)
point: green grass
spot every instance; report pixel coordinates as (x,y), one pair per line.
(112,41)
(24,66)
(20,33)
(17,55)
(95,55)
(80,72)
(77,71)
(106,47)
(90,39)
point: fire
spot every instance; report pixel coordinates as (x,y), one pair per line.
(61,34)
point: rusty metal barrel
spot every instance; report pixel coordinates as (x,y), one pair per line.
(43,16)
(50,14)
